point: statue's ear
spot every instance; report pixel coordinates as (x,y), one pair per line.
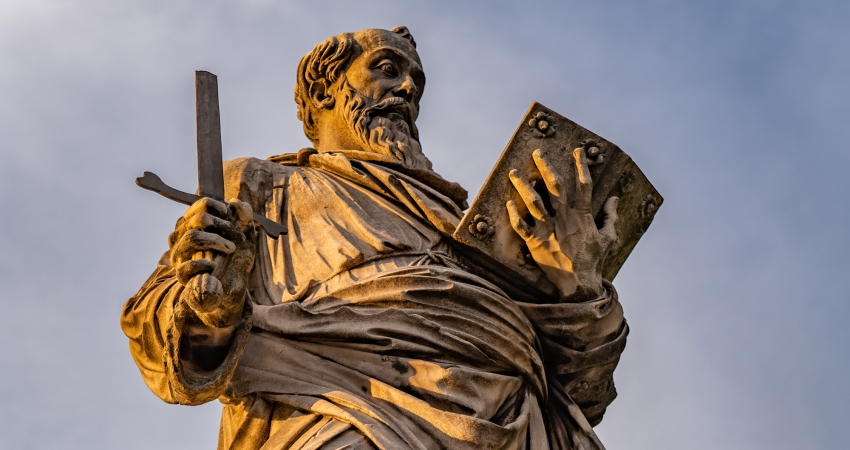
(320,95)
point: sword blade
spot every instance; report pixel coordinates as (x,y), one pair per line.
(210,172)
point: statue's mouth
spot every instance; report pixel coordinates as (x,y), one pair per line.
(394,109)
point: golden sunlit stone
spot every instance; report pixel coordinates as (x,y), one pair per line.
(327,306)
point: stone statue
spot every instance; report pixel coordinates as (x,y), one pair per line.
(361,327)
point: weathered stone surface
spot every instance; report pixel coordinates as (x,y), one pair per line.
(367,325)
(486,225)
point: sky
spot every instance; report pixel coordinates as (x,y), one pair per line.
(737,111)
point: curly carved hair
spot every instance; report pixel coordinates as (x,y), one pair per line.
(327,61)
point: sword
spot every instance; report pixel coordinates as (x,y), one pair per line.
(210,171)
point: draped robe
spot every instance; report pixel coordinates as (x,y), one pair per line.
(362,328)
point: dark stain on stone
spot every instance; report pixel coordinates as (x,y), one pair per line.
(399,366)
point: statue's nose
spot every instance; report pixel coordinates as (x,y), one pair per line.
(407,89)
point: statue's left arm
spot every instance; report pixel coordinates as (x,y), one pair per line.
(584,332)
(582,342)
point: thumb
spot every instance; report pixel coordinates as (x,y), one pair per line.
(203,293)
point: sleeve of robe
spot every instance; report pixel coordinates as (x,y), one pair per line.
(582,343)
(156,320)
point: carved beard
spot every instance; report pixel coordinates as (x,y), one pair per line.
(384,127)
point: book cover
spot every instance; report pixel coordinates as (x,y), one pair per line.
(486,225)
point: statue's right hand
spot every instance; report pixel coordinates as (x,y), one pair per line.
(212,251)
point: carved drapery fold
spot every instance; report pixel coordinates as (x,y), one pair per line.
(377,329)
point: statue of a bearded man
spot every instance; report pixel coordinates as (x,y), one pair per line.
(361,328)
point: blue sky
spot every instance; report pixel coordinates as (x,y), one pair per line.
(738,111)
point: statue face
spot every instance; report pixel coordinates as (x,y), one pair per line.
(378,98)
(388,71)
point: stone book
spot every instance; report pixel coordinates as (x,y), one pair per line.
(486,226)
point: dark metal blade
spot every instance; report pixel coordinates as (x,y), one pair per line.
(210,172)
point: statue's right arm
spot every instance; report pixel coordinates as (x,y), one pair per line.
(190,320)
(146,320)
(184,321)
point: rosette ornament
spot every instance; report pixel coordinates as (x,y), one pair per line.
(542,125)
(595,152)
(481,226)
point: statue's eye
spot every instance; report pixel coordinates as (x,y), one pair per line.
(388,69)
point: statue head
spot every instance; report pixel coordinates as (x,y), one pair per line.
(361,91)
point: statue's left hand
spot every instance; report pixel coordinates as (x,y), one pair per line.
(566,244)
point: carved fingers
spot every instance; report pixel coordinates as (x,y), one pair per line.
(208,231)
(198,252)
(211,216)
(532,200)
(517,222)
(584,183)
(563,238)
(529,196)
(554,182)
(203,293)
(194,241)
(212,249)
(242,214)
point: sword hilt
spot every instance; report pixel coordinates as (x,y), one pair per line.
(152,182)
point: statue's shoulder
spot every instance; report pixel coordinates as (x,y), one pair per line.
(252,179)
(250,167)
(254,170)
